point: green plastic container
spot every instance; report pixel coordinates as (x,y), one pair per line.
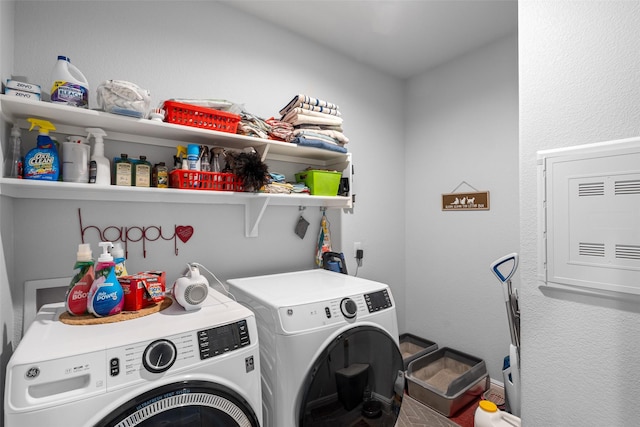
(320,182)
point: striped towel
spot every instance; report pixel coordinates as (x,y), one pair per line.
(312,102)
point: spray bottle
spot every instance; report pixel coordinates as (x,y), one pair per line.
(119,260)
(13,161)
(179,158)
(76,297)
(217,151)
(100,168)
(106,296)
(42,162)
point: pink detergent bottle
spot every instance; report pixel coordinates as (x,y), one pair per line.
(106,297)
(76,297)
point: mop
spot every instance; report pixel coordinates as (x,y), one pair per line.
(508,264)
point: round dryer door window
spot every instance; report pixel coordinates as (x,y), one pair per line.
(184,404)
(358,379)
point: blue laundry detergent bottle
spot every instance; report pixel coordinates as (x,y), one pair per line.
(106,297)
(43,161)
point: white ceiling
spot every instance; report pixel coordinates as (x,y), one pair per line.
(402,38)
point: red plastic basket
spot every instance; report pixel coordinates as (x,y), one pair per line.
(200,117)
(197,180)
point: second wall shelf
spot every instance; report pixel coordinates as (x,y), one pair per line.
(71,120)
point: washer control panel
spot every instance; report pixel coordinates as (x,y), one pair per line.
(146,359)
(221,339)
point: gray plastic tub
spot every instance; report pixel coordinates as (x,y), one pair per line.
(412,347)
(447,380)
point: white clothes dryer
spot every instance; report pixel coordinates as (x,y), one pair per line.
(174,367)
(329,350)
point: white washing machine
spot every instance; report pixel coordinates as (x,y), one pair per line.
(328,348)
(174,367)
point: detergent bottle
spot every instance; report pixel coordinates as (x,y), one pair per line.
(488,415)
(76,297)
(99,167)
(70,86)
(119,260)
(43,161)
(106,296)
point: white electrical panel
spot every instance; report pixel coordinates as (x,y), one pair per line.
(589,217)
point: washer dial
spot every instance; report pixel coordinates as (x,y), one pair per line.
(159,356)
(349,308)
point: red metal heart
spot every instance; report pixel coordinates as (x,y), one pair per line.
(184,232)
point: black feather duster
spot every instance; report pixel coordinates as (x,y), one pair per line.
(251,170)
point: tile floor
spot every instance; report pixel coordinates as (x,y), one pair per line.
(415,414)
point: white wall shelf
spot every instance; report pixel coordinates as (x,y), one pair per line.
(73,121)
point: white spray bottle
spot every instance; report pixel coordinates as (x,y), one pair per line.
(100,168)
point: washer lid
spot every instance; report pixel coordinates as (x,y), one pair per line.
(302,287)
(60,340)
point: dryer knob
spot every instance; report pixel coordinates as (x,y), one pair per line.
(349,308)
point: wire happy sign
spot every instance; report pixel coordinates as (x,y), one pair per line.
(136,234)
(476,200)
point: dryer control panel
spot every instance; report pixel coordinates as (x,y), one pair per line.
(349,309)
(377,301)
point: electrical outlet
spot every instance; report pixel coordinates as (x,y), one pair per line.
(356,246)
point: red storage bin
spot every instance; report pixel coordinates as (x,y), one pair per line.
(197,180)
(200,117)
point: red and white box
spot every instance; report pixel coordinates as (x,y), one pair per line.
(142,289)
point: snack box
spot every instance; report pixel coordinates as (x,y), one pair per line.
(142,289)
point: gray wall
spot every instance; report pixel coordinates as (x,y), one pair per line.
(6,211)
(213,51)
(462,126)
(404,136)
(579,83)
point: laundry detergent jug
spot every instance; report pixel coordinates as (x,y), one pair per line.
(70,86)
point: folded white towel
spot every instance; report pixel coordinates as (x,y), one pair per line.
(300,116)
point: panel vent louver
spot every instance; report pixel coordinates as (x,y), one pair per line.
(591,249)
(628,252)
(591,189)
(627,187)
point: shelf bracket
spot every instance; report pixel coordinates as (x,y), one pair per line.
(253,211)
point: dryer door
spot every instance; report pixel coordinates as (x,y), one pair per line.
(184,404)
(354,379)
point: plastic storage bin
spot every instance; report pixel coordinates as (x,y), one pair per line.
(412,347)
(320,182)
(200,117)
(447,380)
(351,382)
(198,180)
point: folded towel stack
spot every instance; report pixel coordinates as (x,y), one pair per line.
(316,123)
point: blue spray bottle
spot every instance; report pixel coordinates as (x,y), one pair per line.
(105,296)
(42,162)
